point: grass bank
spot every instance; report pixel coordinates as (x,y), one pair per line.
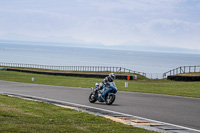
(17,115)
(178,88)
(140,77)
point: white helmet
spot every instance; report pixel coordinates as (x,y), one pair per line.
(112,76)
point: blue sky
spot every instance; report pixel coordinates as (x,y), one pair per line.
(174,23)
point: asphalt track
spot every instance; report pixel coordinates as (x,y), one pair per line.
(176,110)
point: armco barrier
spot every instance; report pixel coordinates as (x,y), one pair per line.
(184,78)
(71,74)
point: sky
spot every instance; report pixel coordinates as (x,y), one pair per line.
(170,23)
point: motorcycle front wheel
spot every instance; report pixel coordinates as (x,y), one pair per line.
(93,97)
(110,99)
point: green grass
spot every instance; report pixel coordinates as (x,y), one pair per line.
(167,87)
(178,88)
(17,115)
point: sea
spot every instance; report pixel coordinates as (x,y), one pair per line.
(152,63)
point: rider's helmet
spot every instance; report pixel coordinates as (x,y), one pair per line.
(112,76)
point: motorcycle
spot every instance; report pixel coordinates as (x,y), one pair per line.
(107,94)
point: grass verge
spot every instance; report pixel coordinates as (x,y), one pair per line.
(17,115)
(167,87)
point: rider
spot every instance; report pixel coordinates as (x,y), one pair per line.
(109,80)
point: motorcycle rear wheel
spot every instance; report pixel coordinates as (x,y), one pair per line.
(93,97)
(110,99)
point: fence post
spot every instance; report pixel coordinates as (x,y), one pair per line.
(184,69)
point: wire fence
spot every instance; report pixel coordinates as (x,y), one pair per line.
(182,69)
(73,68)
(178,70)
(154,75)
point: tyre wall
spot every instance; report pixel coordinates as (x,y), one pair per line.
(184,78)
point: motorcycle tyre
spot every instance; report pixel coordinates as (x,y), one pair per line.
(92,100)
(111,101)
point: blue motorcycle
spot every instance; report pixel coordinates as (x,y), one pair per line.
(107,94)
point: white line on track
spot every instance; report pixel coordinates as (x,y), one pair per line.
(85,106)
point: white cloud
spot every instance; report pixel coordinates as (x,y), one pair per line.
(165,22)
